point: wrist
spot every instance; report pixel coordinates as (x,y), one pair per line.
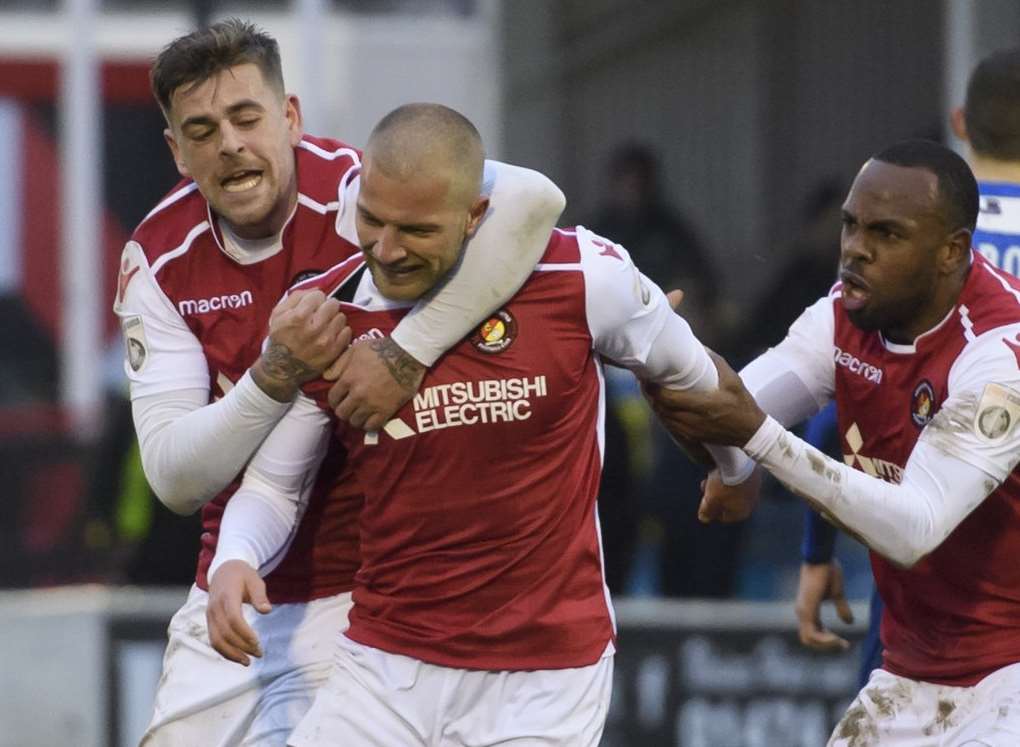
(403,341)
(764,438)
(218,563)
(278,373)
(273,386)
(405,369)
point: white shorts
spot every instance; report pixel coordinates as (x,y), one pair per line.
(898,712)
(376,698)
(205,700)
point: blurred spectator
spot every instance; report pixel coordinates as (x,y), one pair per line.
(648,502)
(129,535)
(617,501)
(811,260)
(663,244)
(28,363)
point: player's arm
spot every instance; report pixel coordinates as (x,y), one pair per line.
(259,523)
(633,324)
(951,470)
(791,382)
(376,378)
(192,449)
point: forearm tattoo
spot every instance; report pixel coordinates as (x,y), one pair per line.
(280,364)
(405,370)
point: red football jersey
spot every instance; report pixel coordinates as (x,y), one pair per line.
(954,617)
(226,304)
(479,536)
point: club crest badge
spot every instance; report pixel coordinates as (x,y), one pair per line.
(922,404)
(496,333)
(134,340)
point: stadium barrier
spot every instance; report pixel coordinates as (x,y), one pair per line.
(81,665)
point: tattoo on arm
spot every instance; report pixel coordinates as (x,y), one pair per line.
(281,364)
(279,374)
(404,369)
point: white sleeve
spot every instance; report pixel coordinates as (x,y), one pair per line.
(968,449)
(903,522)
(632,325)
(262,516)
(523,210)
(977,422)
(795,379)
(190,449)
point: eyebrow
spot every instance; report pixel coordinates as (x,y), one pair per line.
(880,222)
(202,119)
(402,226)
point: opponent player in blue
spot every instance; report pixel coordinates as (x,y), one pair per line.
(989,124)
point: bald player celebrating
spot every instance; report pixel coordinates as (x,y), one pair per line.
(481,615)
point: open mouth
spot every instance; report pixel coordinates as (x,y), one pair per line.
(856,292)
(242,181)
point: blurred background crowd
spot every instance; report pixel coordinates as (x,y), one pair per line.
(714,139)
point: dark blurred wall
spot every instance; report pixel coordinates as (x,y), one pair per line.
(750,102)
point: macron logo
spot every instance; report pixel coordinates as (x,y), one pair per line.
(216,303)
(856,366)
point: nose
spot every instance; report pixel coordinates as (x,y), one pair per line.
(387,248)
(231,142)
(853,245)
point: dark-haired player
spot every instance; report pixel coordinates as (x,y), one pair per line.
(261,207)
(919,346)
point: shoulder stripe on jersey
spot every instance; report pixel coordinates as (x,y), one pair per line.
(968,325)
(193,234)
(546,267)
(349,286)
(171,199)
(318,207)
(327,154)
(1002,281)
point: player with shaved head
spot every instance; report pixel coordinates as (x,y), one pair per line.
(481,614)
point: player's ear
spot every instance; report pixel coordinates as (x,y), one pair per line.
(475,215)
(955,253)
(958,123)
(171,141)
(295,122)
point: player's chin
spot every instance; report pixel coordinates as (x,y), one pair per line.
(244,211)
(401,287)
(864,319)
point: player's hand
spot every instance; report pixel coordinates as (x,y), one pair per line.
(373,380)
(727,416)
(235,583)
(820,582)
(728,503)
(694,450)
(307,333)
(674,297)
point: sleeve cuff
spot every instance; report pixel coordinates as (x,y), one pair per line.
(250,397)
(764,438)
(420,354)
(226,553)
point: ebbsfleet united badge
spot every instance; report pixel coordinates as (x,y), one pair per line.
(496,333)
(134,338)
(922,404)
